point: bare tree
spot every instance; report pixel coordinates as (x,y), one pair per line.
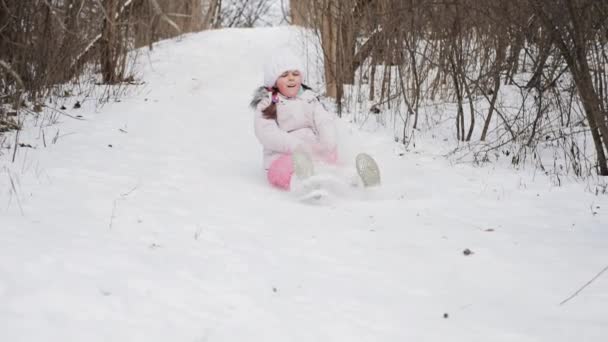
(462,52)
(244,13)
(45,43)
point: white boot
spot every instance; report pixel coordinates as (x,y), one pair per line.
(302,165)
(367,169)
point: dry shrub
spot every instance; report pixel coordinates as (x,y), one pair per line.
(413,53)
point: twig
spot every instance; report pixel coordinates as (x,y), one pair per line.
(52,10)
(14,191)
(584,286)
(112,216)
(10,70)
(17,78)
(64,113)
(159,12)
(57,136)
(129,192)
(122,196)
(16,144)
(98,37)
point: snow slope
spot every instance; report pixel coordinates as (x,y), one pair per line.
(172,234)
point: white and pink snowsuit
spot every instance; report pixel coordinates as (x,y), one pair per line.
(302,123)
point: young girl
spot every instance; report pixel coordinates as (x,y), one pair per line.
(294,128)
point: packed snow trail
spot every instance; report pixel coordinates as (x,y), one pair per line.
(151,220)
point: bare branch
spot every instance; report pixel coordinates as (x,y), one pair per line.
(584,286)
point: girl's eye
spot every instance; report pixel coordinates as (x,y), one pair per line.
(284,74)
(296,73)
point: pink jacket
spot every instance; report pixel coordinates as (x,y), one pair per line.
(302,123)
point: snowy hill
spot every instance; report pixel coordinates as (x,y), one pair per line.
(151,220)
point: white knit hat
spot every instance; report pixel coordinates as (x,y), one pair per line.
(280,62)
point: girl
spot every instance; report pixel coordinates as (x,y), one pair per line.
(294,128)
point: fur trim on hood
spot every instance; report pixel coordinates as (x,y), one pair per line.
(260,93)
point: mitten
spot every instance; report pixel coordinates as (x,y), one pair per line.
(265,102)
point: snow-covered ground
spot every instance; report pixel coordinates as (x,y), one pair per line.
(151,220)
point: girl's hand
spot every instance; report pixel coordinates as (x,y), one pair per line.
(265,102)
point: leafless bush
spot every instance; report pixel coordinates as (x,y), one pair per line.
(46,45)
(244,13)
(549,58)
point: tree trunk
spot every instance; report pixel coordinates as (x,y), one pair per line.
(500,55)
(212,17)
(569,33)
(457,89)
(329,45)
(298,12)
(581,73)
(597,119)
(108,42)
(346,70)
(195,22)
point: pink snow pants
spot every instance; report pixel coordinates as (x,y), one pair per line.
(280,172)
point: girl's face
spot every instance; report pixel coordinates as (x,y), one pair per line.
(289,83)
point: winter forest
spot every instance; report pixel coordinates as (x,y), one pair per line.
(134,205)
